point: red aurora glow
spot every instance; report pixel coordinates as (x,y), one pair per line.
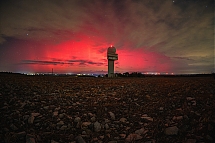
(73,36)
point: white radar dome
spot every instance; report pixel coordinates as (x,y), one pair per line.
(111,50)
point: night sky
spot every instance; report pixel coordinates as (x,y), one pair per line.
(72,36)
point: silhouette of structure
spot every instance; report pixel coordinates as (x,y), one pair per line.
(111,56)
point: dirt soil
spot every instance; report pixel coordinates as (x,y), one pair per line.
(56,109)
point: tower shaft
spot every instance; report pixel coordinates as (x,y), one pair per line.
(110,68)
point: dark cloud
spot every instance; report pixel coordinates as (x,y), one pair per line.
(44,62)
(61,62)
(144,23)
(183,58)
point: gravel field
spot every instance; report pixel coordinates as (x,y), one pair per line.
(53,109)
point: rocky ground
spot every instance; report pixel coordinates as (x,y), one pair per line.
(68,109)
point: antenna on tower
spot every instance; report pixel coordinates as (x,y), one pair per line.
(52,72)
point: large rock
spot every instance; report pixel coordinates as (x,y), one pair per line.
(133,137)
(177,118)
(35,114)
(46,107)
(79,139)
(93,119)
(85,124)
(112,116)
(60,123)
(123,120)
(31,119)
(146,117)
(55,113)
(61,116)
(30,138)
(13,127)
(52,141)
(64,127)
(77,119)
(171,130)
(140,131)
(97,126)
(21,134)
(190,98)
(106,126)
(23,105)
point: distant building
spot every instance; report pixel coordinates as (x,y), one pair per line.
(111,56)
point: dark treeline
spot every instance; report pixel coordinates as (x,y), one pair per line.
(133,74)
(126,74)
(138,74)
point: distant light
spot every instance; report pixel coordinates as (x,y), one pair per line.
(111,46)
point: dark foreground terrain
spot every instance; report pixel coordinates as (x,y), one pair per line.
(68,109)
